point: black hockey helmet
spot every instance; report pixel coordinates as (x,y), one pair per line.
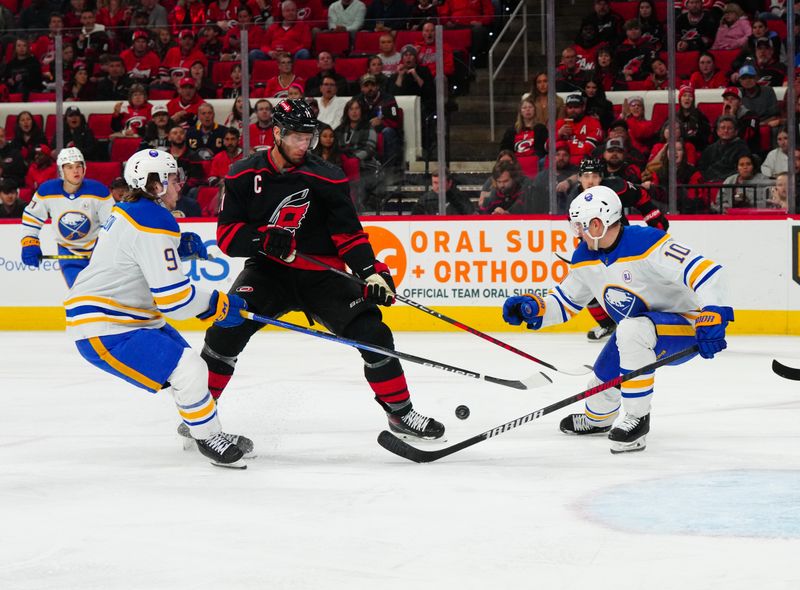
(292,114)
(592,165)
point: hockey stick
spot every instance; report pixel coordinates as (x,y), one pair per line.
(785,372)
(402,449)
(535,380)
(574,371)
(63,257)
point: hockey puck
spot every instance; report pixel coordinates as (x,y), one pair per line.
(462,412)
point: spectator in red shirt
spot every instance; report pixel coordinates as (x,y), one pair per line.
(525,138)
(278,86)
(188,15)
(183,108)
(185,54)
(587,42)
(261,131)
(222,12)
(640,129)
(44,48)
(115,17)
(426,51)
(126,121)
(42,169)
(658,78)
(475,14)
(288,36)
(223,160)
(141,62)
(707,75)
(584,133)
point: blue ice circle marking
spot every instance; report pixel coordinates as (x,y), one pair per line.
(741,503)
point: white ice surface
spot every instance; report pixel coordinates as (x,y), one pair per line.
(95,492)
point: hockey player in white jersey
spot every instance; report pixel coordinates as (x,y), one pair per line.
(78,206)
(663,295)
(115,310)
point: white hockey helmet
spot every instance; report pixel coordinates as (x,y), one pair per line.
(146,162)
(599,202)
(69,155)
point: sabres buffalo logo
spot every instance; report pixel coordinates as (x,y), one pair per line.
(74,225)
(621,303)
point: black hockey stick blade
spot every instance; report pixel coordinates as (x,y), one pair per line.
(402,449)
(785,372)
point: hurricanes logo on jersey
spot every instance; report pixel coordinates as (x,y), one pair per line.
(74,225)
(621,303)
(290,212)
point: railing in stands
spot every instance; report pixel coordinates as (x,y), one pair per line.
(523,32)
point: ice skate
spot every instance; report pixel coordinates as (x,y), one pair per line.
(630,434)
(579,424)
(414,426)
(221,451)
(245,444)
(600,333)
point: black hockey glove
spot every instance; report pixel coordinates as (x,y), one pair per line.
(380,285)
(657,219)
(276,242)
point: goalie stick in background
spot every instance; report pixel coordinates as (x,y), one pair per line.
(663,295)
(78,206)
(593,172)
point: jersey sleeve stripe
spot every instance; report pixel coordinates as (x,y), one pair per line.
(27,213)
(182,304)
(121,367)
(331,180)
(82,310)
(32,226)
(144,228)
(226,233)
(170,287)
(567,300)
(706,277)
(689,267)
(108,302)
(697,272)
(163,300)
(346,242)
(564,316)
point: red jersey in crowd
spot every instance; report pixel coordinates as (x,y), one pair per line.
(196,17)
(290,39)
(176,106)
(587,133)
(465,12)
(176,59)
(220,164)
(426,56)
(261,139)
(141,68)
(276,89)
(218,14)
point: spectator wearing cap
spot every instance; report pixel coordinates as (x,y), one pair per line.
(42,169)
(80,88)
(771,71)
(27,136)
(694,125)
(290,35)
(183,108)
(617,164)
(11,163)
(330,109)
(734,29)
(569,75)
(607,22)
(346,15)
(390,57)
(759,100)
(634,54)
(225,158)
(635,153)
(141,62)
(11,207)
(695,28)
(540,186)
(206,137)
(185,54)
(277,86)
(116,84)
(384,116)
(77,134)
(583,133)
(477,15)
(719,160)
(707,74)
(326,66)
(747,123)
(156,14)
(23,73)
(386,15)
(456,202)
(129,120)
(413,79)
(188,15)
(156,132)
(525,137)
(761,31)
(426,51)
(640,129)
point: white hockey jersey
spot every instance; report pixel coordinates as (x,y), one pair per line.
(647,271)
(134,277)
(77,218)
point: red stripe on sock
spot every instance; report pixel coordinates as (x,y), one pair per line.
(217,383)
(391,391)
(598,313)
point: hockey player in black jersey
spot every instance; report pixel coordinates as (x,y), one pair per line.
(285,200)
(592,172)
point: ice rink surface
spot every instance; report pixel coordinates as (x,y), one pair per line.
(96,493)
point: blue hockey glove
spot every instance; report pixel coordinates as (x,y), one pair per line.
(709,330)
(31,251)
(528,308)
(192,247)
(224,310)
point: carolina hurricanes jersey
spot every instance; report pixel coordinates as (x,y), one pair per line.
(134,277)
(311,200)
(77,218)
(646,271)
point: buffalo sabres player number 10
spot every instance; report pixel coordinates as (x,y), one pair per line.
(663,295)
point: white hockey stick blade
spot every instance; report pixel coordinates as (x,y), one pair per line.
(537,380)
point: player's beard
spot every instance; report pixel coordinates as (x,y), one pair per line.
(289,160)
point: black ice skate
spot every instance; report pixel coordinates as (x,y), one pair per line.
(414,426)
(630,434)
(221,451)
(245,444)
(579,424)
(600,333)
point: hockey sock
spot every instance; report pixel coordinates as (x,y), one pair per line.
(389,384)
(220,370)
(217,383)
(599,314)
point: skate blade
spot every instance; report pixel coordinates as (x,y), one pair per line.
(188,444)
(415,439)
(573,433)
(240,464)
(618,448)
